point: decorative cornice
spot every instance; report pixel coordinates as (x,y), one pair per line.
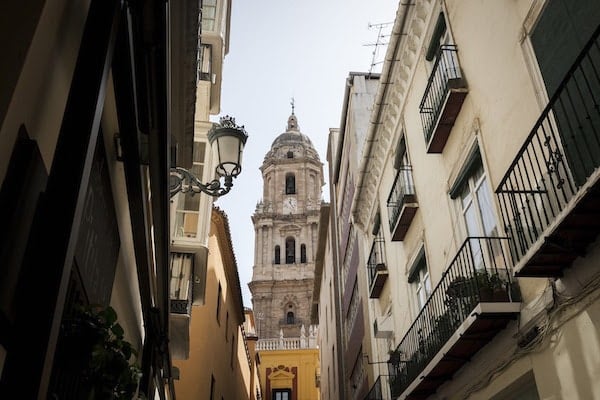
(398,69)
(221,223)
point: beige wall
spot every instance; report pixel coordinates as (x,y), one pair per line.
(211,350)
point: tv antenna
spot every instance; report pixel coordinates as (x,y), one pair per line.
(382,40)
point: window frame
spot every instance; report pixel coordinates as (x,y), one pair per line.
(419,279)
(473,194)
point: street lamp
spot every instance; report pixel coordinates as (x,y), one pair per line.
(227,141)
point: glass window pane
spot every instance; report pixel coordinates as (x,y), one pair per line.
(192,203)
(484,199)
(198,170)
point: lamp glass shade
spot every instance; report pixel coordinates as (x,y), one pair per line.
(227,146)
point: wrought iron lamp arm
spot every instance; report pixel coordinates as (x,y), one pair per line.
(184,181)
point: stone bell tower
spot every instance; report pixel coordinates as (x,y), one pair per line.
(286,233)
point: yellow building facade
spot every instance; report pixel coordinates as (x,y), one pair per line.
(290,374)
(219,365)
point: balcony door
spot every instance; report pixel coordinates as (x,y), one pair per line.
(560,34)
(477,211)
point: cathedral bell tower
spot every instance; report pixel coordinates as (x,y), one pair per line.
(286,232)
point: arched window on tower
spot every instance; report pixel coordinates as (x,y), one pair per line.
(303,253)
(290,154)
(290,184)
(289,319)
(290,250)
(277,255)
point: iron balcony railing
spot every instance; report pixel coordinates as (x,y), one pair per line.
(402,189)
(376,260)
(376,392)
(480,272)
(560,153)
(182,306)
(445,69)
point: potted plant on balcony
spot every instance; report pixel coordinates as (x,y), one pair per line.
(96,351)
(492,288)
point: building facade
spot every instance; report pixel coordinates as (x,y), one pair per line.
(473,204)
(290,374)
(92,95)
(286,227)
(191,213)
(286,223)
(343,287)
(219,364)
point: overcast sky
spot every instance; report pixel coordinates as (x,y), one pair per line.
(281,49)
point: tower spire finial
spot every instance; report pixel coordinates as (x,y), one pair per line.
(292,103)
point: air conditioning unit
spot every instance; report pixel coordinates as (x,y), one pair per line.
(383,327)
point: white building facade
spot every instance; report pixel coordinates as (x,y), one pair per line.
(474,204)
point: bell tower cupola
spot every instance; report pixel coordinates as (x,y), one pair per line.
(286,226)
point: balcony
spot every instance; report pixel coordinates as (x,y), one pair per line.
(290,343)
(474,300)
(550,195)
(402,204)
(376,269)
(180,289)
(444,96)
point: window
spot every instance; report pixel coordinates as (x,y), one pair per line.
(209,14)
(204,62)
(289,319)
(476,206)
(182,265)
(220,292)
(420,280)
(282,394)
(290,154)
(290,316)
(438,38)
(290,250)
(303,253)
(560,34)
(277,255)
(290,184)
(186,218)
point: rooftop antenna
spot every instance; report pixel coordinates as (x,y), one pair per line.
(382,40)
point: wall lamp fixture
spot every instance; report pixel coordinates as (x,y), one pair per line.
(227,140)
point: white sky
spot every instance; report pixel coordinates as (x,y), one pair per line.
(281,49)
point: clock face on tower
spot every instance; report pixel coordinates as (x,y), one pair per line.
(289,205)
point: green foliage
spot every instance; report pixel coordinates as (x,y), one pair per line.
(106,358)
